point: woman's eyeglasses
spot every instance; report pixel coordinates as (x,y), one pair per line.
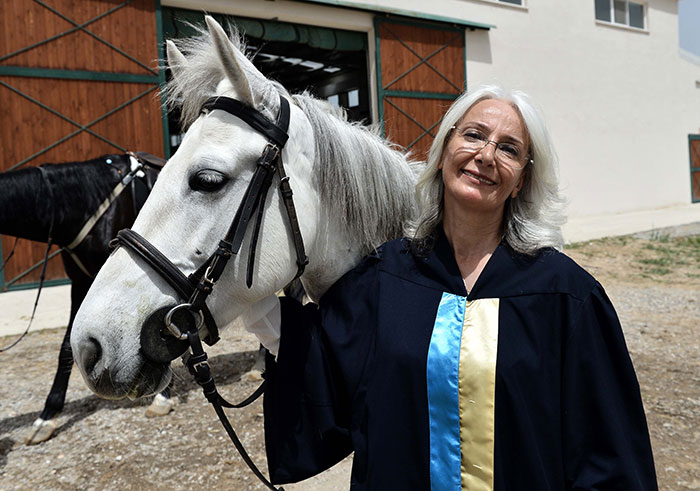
(508,154)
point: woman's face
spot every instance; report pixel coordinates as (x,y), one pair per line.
(480,180)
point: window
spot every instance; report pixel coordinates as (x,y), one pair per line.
(621,12)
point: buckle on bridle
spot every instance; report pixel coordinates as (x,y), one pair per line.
(270,153)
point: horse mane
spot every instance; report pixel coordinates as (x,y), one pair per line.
(363,179)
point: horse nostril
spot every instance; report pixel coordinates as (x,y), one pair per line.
(90,354)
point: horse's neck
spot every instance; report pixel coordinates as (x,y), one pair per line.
(334,254)
(24,209)
(27,207)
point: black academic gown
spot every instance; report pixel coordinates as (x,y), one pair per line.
(524,383)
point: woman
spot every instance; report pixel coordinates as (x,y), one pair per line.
(472,355)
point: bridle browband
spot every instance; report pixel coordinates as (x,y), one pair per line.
(195,288)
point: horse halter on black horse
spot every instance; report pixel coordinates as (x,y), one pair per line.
(195,288)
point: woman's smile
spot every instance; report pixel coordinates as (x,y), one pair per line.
(479,178)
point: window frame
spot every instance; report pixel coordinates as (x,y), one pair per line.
(626,24)
(505,3)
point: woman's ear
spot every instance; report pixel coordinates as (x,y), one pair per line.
(519,185)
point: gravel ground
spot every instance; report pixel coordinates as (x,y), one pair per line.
(654,284)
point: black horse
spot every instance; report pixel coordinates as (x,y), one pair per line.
(82,205)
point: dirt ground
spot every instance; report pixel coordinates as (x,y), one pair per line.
(654,284)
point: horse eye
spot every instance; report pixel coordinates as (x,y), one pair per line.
(207,180)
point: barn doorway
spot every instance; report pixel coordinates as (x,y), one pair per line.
(329,63)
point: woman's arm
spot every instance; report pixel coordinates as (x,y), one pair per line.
(605,431)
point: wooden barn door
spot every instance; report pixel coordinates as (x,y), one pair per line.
(694,147)
(78,79)
(420,71)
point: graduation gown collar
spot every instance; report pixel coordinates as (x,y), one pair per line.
(438,269)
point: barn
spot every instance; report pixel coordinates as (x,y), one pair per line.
(81,78)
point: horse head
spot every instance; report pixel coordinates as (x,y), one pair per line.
(351,192)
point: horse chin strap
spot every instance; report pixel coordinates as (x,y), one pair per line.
(197,287)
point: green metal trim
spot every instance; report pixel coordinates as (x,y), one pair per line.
(65,33)
(465,61)
(421,23)
(98,38)
(401,12)
(161,80)
(35,284)
(21,71)
(81,128)
(380,85)
(420,95)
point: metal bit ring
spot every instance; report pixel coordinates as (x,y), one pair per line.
(174,330)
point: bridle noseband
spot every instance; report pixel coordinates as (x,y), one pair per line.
(195,288)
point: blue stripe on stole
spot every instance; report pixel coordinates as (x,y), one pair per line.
(443,394)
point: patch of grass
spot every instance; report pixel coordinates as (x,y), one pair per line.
(657,261)
(662,254)
(660,237)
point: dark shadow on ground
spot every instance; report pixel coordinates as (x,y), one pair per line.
(226,369)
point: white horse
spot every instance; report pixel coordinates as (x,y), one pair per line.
(352,192)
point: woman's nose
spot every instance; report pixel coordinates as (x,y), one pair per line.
(487,154)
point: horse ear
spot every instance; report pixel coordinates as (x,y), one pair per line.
(176,60)
(229,59)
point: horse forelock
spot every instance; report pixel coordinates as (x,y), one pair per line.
(363,179)
(199,78)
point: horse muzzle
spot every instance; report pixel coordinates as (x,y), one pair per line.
(110,382)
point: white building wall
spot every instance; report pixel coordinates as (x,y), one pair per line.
(619,102)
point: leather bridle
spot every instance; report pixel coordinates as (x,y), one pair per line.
(195,288)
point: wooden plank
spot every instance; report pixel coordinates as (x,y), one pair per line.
(131,29)
(400,129)
(695,153)
(26,254)
(402,48)
(31,128)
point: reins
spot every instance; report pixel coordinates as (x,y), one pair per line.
(195,288)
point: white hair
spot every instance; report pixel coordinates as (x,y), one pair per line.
(534,218)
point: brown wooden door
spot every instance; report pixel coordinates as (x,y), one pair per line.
(78,79)
(694,144)
(420,71)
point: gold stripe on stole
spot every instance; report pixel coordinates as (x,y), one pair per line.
(477,392)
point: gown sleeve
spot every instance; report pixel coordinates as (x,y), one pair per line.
(317,378)
(606,437)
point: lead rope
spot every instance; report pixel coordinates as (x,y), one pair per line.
(49,243)
(198,366)
(12,253)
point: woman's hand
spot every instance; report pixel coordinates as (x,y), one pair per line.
(263,319)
